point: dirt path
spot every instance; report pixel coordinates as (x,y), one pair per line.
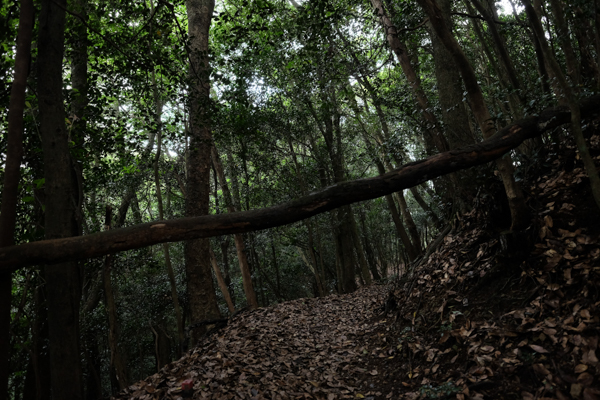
(306,348)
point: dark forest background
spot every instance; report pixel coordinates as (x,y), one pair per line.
(119,113)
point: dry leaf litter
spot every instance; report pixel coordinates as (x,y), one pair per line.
(481,319)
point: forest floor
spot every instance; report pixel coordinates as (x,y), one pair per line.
(485,317)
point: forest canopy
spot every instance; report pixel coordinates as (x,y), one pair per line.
(166,163)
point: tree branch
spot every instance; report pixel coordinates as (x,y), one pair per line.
(409,175)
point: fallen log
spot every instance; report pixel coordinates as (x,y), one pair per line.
(409,175)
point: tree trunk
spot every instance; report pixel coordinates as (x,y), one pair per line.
(501,49)
(338,256)
(597,34)
(117,358)
(63,280)
(224,251)
(239,240)
(562,31)
(368,249)
(445,184)
(91,354)
(541,66)
(590,70)
(535,13)
(382,259)
(380,140)
(347,260)
(450,90)
(93,387)
(362,260)
(40,388)
(221,282)
(436,136)
(162,346)
(79,76)
(409,246)
(505,71)
(321,260)
(427,208)
(200,289)
(329,125)
(319,276)
(268,282)
(410,223)
(496,70)
(319,273)
(404,238)
(516,200)
(165,246)
(12,175)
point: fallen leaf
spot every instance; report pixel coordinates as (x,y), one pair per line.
(580,368)
(591,394)
(538,349)
(585,379)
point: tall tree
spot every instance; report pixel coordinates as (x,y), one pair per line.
(63,280)
(12,174)
(200,288)
(450,90)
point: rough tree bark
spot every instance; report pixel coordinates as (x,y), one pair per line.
(200,289)
(411,174)
(12,175)
(63,280)
(450,90)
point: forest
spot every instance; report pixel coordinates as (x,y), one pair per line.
(170,167)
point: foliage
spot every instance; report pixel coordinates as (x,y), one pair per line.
(282,75)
